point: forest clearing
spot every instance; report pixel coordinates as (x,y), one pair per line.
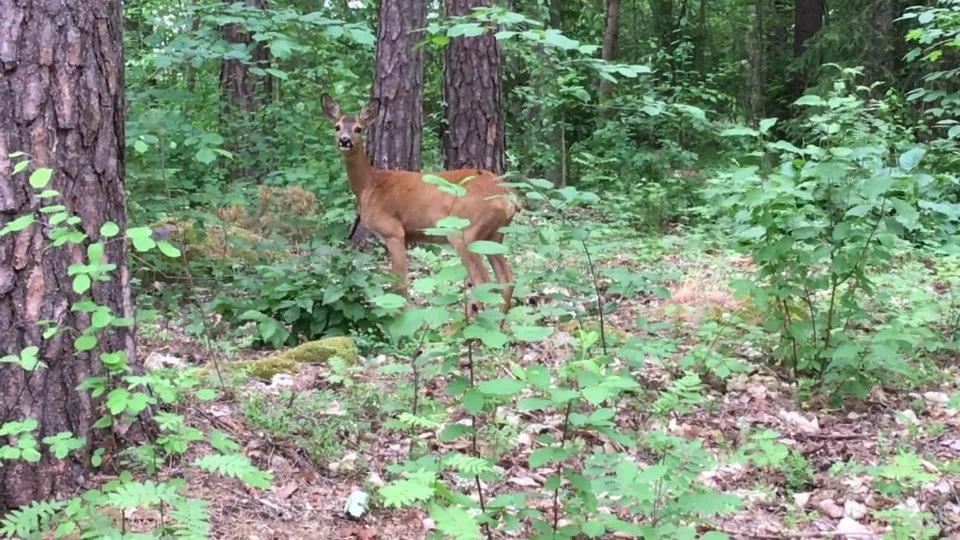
(409,269)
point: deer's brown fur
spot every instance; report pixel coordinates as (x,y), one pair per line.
(397,206)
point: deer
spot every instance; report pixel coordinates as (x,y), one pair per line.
(398,206)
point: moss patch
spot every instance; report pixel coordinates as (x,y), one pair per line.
(311,352)
(321,350)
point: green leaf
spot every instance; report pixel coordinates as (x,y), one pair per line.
(81,283)
(554,38)
(455,522)
(390,301)
(740,131)
(486,247)
(140,146)
(544,456)
(500,387)
(473,401)
(810,101)
(109,229)
(206,394)
(40,178)
(18,224)
(205,156)
(766,124)
(168,249)
(911,158)
(531,333)
(85,342)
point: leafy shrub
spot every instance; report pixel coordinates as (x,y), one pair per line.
(326,293)
(817,227)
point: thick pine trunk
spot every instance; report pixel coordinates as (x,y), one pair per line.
(61,101)
(471,91)
(611,32)
(393,141)
(807,21)
(242,93)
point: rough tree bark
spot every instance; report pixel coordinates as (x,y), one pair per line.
(393,141)
(61,101)
(700,39)
(242,93)
(611,31)
(755,65)
(663,23)
(471,91)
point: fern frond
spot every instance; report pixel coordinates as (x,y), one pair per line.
(30,520)
(236,466)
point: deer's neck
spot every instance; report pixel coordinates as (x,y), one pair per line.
(359,171)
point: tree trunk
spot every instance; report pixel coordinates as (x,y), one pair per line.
(61,102)
(700,41)
(754,67)
(807,20)
(611,31)
(662,18)
(241,95)
(471,91)
(555,14)
(393,141)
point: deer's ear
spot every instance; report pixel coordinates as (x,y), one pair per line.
(370,111)
(330,108)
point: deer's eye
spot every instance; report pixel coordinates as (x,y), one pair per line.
(357,129)
(336,128)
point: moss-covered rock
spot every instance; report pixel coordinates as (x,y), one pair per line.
(321,350)
(311,352)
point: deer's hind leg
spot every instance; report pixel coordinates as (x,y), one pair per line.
(476,273)
(501,269)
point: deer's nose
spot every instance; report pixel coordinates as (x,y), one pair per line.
(344,139)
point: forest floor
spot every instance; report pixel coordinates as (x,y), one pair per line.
(852,454)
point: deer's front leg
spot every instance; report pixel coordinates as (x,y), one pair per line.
(397,248)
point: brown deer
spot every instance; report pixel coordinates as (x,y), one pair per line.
(397,206)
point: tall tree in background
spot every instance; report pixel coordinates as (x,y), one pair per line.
(241,93)
(611,31)
(393,141)
(807,21)
(755,64)
(61,102)
(661,12)
(700,38)
(473,136)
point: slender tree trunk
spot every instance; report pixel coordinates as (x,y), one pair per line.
(242,93)
(611,31)
(471,91)
(555,14)
(394,138)
(61,102)
(700,43)
(754,67)
(663,23)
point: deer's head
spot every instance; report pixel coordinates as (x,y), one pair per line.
(348,130)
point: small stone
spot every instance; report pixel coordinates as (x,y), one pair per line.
(907,417)
(281,380)
(851,528)
(830,508)
(801,499)
(156,360)
(854,510)
(428,524)
(375,479)
(936,397)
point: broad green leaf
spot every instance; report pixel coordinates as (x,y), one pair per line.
(390,301)
(81,283)
(206,394)
(85,342)
(109,229)
(501,387)
(473,401)
(455,522)
(168,249)
(486,247)
(18,224)
(911,158)
(739,132)
(40,178)
(766,124)
(531,333)
(810,101)
(205,156)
